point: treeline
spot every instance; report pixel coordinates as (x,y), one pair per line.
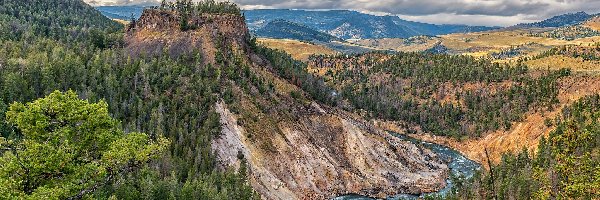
(565,165)
(295,72)
(196,8)
(569,33)
(513,51)
(187,9)
(587,53)
(172,97)
(428,90)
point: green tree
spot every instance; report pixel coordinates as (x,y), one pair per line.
(68,148)
(4,131)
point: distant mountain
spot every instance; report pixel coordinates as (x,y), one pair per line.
(282,29)
(559,21)
(121,12)
(347,24)
(342,24)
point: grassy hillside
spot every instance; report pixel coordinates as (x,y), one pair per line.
(593,23)
(297,49)
(412,44)
(579,58)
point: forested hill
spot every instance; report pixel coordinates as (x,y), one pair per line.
(455,96)
(282,29)
(270,107)
(559,20)
(27,19)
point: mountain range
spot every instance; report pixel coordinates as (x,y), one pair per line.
(559,20)
(332,25)
(342,24)
(121,12)
(346,24)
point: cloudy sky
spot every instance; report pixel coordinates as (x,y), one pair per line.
(472,12)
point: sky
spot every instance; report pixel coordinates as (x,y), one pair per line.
(470,12)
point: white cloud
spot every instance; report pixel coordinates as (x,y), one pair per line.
(121,2)
(476,20)
(473,12)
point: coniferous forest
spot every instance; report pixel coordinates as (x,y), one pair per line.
(46,49)
(432,91)
(565,166)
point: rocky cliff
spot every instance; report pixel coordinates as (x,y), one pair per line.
(159,31)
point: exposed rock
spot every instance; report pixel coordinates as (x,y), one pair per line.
(328,154)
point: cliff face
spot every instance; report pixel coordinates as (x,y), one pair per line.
(328,153)
(158,32)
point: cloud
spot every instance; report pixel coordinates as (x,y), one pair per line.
(121,2)
(475,20)
(475,12)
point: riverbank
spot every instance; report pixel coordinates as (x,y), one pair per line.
(460,167)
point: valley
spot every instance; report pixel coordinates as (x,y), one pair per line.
(211,100)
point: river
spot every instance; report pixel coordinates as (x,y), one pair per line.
(459,166)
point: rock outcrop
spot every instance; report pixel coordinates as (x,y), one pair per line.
(158,32)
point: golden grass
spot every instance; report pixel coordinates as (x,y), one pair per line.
(124,22)
(299,50)
(497,39)
(560,61)
(396,44)
(482,44)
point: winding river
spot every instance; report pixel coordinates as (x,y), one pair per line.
(459,166)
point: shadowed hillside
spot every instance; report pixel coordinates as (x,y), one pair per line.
(282,29)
